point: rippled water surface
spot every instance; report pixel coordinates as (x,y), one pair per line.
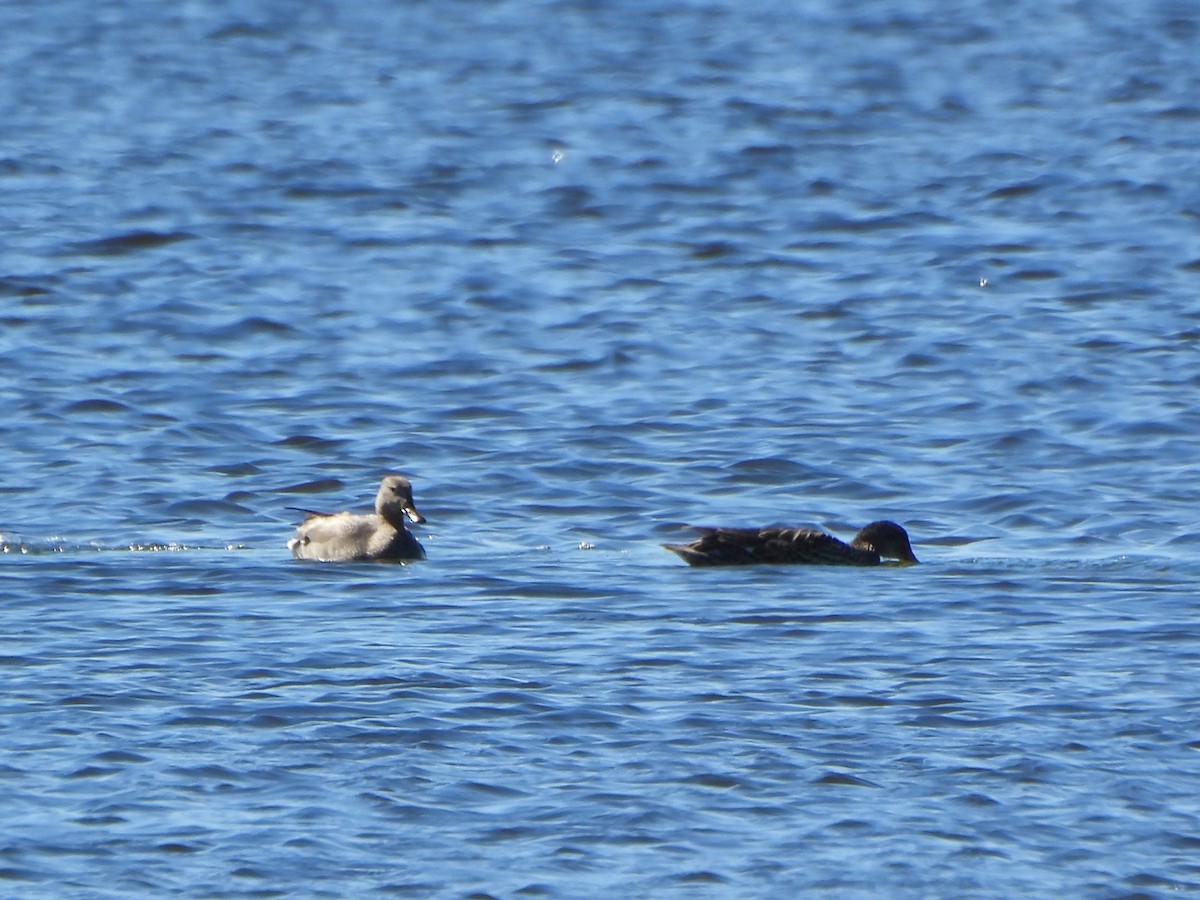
(586,272)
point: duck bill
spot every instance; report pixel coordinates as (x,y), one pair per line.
(413,515)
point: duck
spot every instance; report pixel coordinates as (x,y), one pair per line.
(344,536)
(808,546)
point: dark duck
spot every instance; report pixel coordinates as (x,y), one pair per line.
(803,546)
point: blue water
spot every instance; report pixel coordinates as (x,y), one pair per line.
(586,272)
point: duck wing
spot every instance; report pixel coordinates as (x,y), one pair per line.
(336,537)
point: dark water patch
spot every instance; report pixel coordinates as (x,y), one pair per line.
(199,721)
(830,223)
(714,250)
(1021,189)
(1180,113)
(250,327)
(96,405)
(103,821)
(324,191)
(844,779)
(206,510)
(25,288)
(312,442)
(703,877)
(120,756)
(772,470)
(320,486)
(14,873)
(860,701)
(937,701)
(1150,880)
(129,242)
(242,29)
(1035,274)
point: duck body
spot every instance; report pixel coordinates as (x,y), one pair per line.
(382,535)
(780,544)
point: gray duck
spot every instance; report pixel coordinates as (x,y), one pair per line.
(343,536)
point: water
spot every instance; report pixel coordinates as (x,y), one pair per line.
(587,272)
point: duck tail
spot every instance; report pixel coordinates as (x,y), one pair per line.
(687,553)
